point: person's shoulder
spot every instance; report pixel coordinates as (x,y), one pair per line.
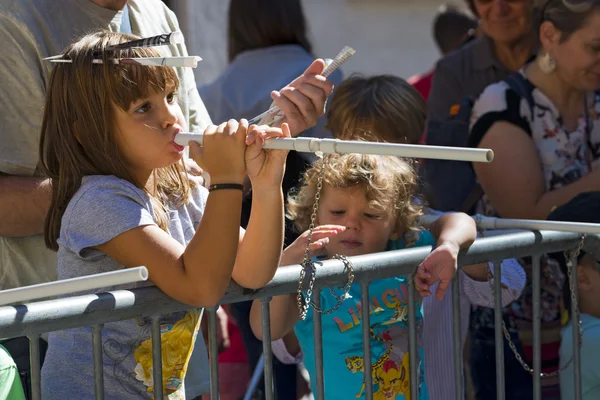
(155,6)
(412,239)
(464,55)
(103,207)
(101,191)
(109,183)
(493,97)
(16,10)
(27,14)
(17,15)
(155,13)
(455,69)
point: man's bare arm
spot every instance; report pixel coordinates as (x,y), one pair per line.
(24,203)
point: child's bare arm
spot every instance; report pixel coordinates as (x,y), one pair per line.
(284,309)
(283,314)
(477,272)
(457,229)
(260,246)
(199,273)
(453,231)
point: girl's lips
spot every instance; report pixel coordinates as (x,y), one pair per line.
(351,243)
(178,147)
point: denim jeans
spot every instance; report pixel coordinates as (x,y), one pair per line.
(518,383)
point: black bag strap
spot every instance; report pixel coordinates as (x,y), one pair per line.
(521,87)
(471,200)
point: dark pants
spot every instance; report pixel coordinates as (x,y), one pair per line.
(284,375)
(19,351)
(518,383)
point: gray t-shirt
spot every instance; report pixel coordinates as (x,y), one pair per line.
(103,208)
(29,31)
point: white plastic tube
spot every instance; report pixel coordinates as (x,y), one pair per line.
(485,223)
(74,285)
(313,145)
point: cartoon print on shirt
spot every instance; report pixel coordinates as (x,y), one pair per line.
(177,343)
(390,371)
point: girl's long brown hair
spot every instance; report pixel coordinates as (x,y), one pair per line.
(79,136)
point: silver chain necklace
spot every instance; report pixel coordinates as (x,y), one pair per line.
(304,301)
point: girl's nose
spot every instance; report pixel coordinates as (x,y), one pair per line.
(168,115)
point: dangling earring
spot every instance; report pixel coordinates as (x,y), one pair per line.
(547,63)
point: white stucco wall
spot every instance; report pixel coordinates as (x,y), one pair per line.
(390,36)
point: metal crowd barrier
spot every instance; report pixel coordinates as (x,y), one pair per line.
(36,318)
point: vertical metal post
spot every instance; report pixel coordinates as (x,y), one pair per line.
(499,336)
(36,369)
(267,351)
(213,353)
(366,335)
(576,324)
(412,339)
(157,357)
(318,338)
(457,339)
(537,328)
(98,363)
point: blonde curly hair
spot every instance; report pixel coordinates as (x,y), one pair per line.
(390,185)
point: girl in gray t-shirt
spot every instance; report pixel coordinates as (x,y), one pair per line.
(121,198)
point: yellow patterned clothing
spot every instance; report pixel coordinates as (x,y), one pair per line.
(177,341)
(102,208)
(342,339)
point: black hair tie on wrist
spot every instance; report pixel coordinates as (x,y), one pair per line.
(225,186)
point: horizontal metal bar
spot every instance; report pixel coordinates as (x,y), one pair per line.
(88,310)
(493,223)
(73,285)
